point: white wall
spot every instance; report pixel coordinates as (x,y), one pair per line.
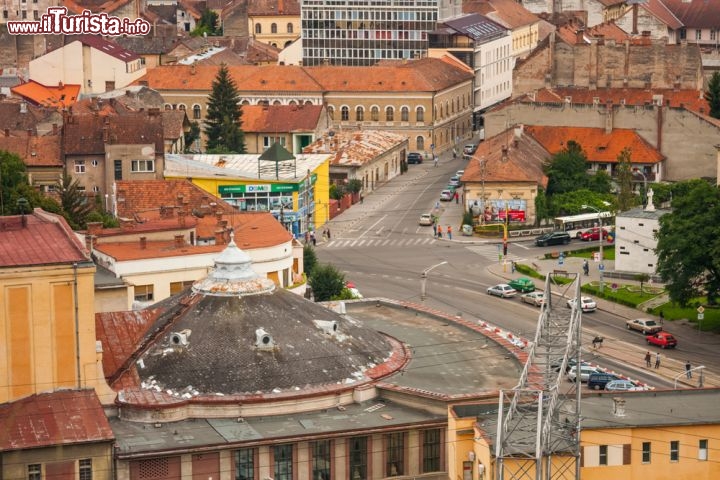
(493,72)
(635,244)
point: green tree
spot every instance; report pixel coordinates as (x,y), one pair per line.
(309,259)
(642,278)
(74,202)
(688,246)
(224,116)
(599,182)
(326,282)
(662,193)
(541,207)
(354,185)
(207,25)
(567,169)
(712,95)
(626,197)
(14,185)
(571,203)
(191,136)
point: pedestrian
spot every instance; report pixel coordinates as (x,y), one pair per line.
(327,232)
(657,360)
(312,238)
(457,198)
(512,267)
(454,154)
(435,229)
(449,230)
(439,231)
(688,369)
(647,359)
(586,267)
(435,160)
(662,317)
(361,199)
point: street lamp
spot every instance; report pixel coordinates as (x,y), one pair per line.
(423,279)
(601,267)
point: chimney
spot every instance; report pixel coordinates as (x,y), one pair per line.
(618,407)
(504,153)
(635,19)
(609,117)
(94,228)
(23,107)
(580,36)
(192,69)
(55,129)
(89,243)
(143,243)
(219,237)
(179,241)
(181,217)
(105,134)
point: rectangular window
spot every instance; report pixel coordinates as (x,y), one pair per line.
(431,450)
(79,166)
(395,454)
(698,34)
(117,168)
(321,460)
(358,458)
(674,451)
(283,462)
(713,34)
(177,287)
(34,471)
(702,450)
(143,293)
(143,165)
(86,472)
(245,464)
(603,457)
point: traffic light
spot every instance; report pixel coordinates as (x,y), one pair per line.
(504,247)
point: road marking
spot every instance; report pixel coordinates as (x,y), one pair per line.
(373,226)
(361,243)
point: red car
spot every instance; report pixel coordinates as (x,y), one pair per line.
(662,339)
(592,234)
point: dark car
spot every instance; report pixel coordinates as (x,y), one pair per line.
(522,285)
(598,380)
(553,238)
(414,157)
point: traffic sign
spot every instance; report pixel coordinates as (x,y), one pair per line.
(614,287)
(700,309)
(601,267)
(701,316)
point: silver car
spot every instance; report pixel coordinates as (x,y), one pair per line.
(536,298)
(586,303)
(621,386)
(502,290)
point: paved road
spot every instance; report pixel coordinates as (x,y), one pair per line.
(380,247)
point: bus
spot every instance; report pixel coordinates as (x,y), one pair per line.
(576,224)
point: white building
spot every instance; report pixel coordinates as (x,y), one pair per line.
(636,240)
(95,64)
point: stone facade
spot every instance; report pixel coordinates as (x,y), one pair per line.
(684,137)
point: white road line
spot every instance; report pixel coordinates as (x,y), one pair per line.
(384,243)
(361,243)
(372,226)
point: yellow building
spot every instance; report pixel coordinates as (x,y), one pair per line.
(658,435)
(295,190)
(275,22)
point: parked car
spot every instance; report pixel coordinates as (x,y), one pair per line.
(571,363)
(446,195)
(585,372)
(662,339)
(469,149)
(621,386)
(425,220)
(553,238)
(598,380)
(522,285)
(644,325)
(414,158)
(454,181)
(534,298)
(592,234)
(502,290)
(586,303)
(459,173)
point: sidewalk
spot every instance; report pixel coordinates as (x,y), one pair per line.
(628,353)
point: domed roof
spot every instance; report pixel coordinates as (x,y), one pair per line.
(233,335)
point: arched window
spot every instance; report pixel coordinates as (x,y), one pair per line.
(419,114)
(290,28)
(196,111)
(277,102)
(359,114)
(404,114)
(245,102)
(374,114)
(389,114)
(168,106)
(420,142)
(292,102)
(273,28)
(258,29)
(181,106)
(331,112)
(344,114)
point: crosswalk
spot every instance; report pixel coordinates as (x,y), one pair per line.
(491,252)
(379,242)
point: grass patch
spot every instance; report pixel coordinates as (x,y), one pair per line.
(628,295)
(586,252)
(673,311)
(531,272)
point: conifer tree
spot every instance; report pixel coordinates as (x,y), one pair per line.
(223,121)
(712,95)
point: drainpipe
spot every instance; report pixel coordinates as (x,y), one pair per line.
(77,324)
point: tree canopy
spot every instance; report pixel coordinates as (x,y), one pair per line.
(567,171)
(626,197)
(14,186)
(688,246)
(207,25)
(224,116)
(712,95)
(326,282)
(571,203)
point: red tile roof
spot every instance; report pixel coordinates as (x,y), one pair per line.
(96,6)
(356,148)
(45,239)
(508,13)
(107,47)
(273,8)
(84,132)
(597,145)
(696,13)
(281,118)
(59,418)
(523,161)
(658,9)
(690,99)
(35,151)
(61,96)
